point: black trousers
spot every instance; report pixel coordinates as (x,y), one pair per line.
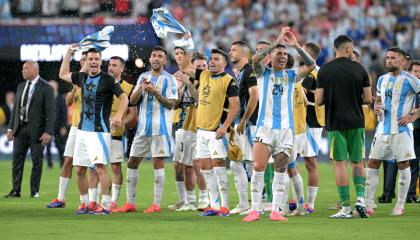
(24,140)
(414,165)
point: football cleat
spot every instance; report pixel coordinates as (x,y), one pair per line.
(397,211)
(154,208)
(127,207)
(56,204)
(277,216)
(252,216)
(83,209)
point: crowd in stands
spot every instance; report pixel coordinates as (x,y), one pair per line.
(374,25)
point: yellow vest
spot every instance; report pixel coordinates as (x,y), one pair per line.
(127,88)
(299,110)
(212,96)
(76,107)
(190,122)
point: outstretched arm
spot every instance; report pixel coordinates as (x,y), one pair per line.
(65,73)
(304,70)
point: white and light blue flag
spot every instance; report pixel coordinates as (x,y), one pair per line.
(163,23)
(99,40)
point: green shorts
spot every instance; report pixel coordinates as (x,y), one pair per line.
(347,144)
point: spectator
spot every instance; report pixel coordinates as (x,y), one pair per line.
(50,7)
(88,8)
(5,10)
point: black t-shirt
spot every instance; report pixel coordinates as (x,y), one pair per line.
(343,81)
(246,79)
(97,96)
(309,82)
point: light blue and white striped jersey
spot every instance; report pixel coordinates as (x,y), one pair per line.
(398,96)
(276,98)
(154,118)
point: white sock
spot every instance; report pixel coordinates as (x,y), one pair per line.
(158,185)
(191,196)
(222,182)
(116,189)
(294,197)
(284,200)
(298,186)
(311,193)
(404,180)
(106,201)
(202,196)
(62,188)
(257,185)
(84,199)
(372,180)
(249,167)
(279,185)
(92,194)
(131,185)
(241,183)
(211,182)
(180,189)
(98,192)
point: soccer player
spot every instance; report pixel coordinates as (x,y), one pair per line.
(246,120)
(93,134)
(178,165)
(414,69)
(343,86)
(275,119)
(396,92)
(218,105)
(157,92)
(186,136)
(307,142)
(74,99)
(116,67)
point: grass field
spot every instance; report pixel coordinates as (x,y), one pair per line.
(27,218)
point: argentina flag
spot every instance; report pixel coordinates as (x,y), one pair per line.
(163,23)
(99,40)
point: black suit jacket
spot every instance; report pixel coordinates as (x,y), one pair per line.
(41,111)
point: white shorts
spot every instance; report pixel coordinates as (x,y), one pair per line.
(399,146)
(117,151)
(245,143)
(185,146)
(306,144)
(151,146)
(70,143)
(278,140)
(210,147)
(91,148)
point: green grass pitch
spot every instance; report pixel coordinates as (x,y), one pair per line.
(27,218)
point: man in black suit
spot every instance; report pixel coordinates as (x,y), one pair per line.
(31,126)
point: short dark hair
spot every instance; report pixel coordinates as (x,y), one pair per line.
(263,42)
(221,52)
(412,64)
(340,40)
(93,50)
(356,53)
(198,56)
(160,48)
(122,61)
(84,53)
(178,47)
(279,45)
(290,61)
(314,49)
(398,50)
(241,43)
